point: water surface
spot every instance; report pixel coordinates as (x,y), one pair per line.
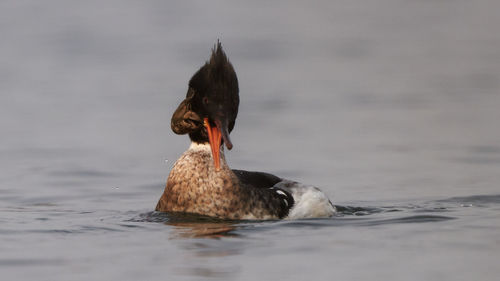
(390,107)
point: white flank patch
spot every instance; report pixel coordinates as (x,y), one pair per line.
(280,192)
(310,202)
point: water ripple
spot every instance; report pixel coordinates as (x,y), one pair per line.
(408,219)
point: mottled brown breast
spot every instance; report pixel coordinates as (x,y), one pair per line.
(194,186)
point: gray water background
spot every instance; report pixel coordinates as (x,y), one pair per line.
(392,108)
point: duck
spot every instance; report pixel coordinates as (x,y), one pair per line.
(201,181)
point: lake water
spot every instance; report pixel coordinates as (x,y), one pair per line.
(392,108)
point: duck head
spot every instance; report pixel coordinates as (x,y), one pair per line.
(209,111)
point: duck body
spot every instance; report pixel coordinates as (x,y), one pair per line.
(202,183)
(195,186)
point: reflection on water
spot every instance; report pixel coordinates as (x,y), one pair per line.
(206,256)
(201,238)
(201,230)
(203,257)
(191,225)
(219,272)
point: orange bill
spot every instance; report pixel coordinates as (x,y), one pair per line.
(214,137)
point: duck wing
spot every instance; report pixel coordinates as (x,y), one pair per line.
(296,200)
(257,179)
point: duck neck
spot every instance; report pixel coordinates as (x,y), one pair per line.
(203,149)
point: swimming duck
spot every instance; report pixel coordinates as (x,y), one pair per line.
(201,182)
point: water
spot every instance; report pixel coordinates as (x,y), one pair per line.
(390,107)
